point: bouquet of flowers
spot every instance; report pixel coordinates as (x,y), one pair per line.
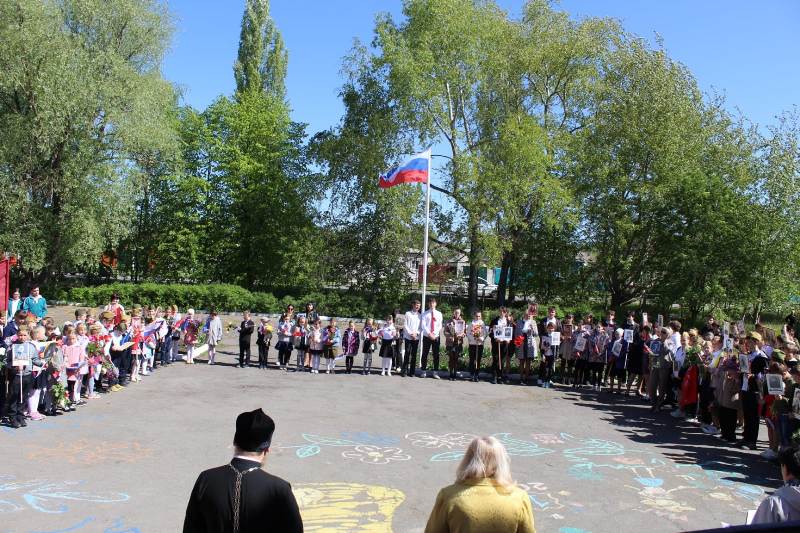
(108,368)
(202,338)
(477,332)
(60,395)
(229,326)
(518,340)
(692,356)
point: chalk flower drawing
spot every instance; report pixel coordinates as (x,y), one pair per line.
(424,439)
(376,455)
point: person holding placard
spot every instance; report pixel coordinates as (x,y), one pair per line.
(387,334)
(550,342)
(369,336)
(566,349)
(498,340)
(526,340)
(618,353)
(20,359)
(758,362)
(454,333)
(551,318)
(582,348)
(476,336)
(661,360)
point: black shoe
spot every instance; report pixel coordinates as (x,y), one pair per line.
(22,423)
(15,424)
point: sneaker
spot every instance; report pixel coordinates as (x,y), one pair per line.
(436,376)
(768,454)
(383,372)
(93,396)
(693,420)
(389,372)
(677,413)
(37,416)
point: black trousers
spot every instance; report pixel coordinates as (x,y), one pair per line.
(398,357)
(15,403)
(751,419)
(727,422)
(475,356)
(244,353)
(122,360)
(427,344)
(410,357)
(453,353)
(499,350)
(262,355)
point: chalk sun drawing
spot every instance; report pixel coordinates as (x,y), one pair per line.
(347,507)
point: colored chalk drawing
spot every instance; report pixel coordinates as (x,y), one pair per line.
(85,451)
(424,439)
(362,446)
(116,526)
(376,455)
(347,507)
(513,446)
(49,496)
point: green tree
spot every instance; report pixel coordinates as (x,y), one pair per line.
(80,94)
(263,59)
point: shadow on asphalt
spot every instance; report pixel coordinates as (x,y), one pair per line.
(678,440)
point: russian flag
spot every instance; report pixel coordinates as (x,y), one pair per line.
(414,170)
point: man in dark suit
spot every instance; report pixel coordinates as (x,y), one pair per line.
(550,319)
(240,497)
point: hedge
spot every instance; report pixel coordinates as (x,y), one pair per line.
(220,296)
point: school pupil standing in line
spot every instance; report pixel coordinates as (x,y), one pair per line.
(387,335)
(245,329)
(369,336)
(431,330)
(285,329)
(263,341)
(454,332)
(548,356)
(499,347)
(618,348)
(331,343)
(399,345)
(350,343)
(300,337)
(476,336)
(315,345)
(566,349)
(21,379)
(526,343)
(214,335)
(411,332)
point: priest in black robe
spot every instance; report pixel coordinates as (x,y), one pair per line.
(240,497)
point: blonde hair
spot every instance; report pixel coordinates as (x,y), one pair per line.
(486,457)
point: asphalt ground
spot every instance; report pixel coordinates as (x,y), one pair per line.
(369,453)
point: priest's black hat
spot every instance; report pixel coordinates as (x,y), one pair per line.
(254,431)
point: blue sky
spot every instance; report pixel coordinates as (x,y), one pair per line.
(747,50)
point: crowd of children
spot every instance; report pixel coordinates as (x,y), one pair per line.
(47,369)
(719,376)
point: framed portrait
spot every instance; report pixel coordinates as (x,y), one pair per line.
(744,363)
(627,335)
(555,338)
(21,355)
(644,318)
(508,333)
(616,349)
(580,344)
(567,329)
(459,327)
(727,343)
(796,401)
(774,384)
(660,321)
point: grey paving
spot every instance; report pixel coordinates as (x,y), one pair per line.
(369,454)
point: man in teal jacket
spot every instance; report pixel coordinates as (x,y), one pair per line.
(35,303)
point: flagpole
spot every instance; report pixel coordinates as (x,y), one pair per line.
(425,255)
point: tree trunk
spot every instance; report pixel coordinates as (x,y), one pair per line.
(502,284)
(472,283)
(512,285)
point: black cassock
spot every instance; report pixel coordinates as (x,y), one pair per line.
(266,501)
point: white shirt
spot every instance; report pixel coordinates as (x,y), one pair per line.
(437,323)
(412,325)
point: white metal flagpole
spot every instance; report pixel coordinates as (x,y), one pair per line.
(425,254)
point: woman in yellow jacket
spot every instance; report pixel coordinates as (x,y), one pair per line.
(484,498)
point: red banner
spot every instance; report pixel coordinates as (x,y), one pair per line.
(5,281)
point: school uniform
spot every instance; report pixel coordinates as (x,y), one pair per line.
(431,330)
(263,340)
(21,381)
(300,336)
(454,331)
(369,336)
(411,332)
(475,340)
(387,335)
(350,342)
(246,328)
